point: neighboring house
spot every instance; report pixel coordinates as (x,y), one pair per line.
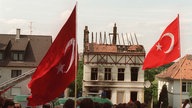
(177,77)
(19,54)
(113,70)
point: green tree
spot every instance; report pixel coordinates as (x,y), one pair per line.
(79,79)
(163,98)
(152,91)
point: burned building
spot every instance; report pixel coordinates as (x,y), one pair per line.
(113,66)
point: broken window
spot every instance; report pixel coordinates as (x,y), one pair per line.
(106,94)
(94,73)
(134,73)
(133,96)
(121,74)
(107,73)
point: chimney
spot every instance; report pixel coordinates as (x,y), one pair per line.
(17,34)
(114,34)
(86,38)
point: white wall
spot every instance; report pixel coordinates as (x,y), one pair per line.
(127,85)
(5,73)
(174,95)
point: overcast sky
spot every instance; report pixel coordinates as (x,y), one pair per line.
(146,18)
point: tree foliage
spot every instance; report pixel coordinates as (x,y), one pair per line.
(79,79)
(163,97)
(150,76)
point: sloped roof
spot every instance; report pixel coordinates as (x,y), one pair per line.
(181,69)
(4,42)
(35,47)
(19,44)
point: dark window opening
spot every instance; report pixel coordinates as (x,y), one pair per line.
(94,73)
(93,92)
(106,94)
(121,74)
(15,73)
(184,86)
(1,56)
(134,73)
(107,73)
(133,96)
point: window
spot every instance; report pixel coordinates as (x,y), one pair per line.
(134,73)
(121,74)
(93,92)
(186,86)
(15,91)
(106,94)
(15,73)
(107,73)
(189,85)
(1,56)
(94,73)
(133,96)
(18,56)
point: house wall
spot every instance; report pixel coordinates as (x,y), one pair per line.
(114,85)
(20,88)
(174,95)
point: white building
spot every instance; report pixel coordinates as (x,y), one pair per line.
(178,79)
(19,54)
(113,70)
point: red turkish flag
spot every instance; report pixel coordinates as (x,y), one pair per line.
(57,69)
(166,49)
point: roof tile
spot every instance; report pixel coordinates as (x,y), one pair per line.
(181,69)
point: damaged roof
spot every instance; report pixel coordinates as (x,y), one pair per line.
(94,47)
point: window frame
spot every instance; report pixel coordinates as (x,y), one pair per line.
(121,71)
(107,74)
(1,55)
(134,71)
(186,86)
(18,55)
(15,73)
(94,73)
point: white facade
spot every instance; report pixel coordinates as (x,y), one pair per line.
(20,88)
(120,90)
(174,92)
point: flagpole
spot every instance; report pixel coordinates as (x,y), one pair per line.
(180,72)
(180,68)
(76,85)
(76,62)
(180,89)
(76,81)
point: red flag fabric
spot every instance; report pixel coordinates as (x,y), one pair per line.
(57,69)
(166,49)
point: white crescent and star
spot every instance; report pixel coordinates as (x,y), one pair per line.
(61,66)
(170,35)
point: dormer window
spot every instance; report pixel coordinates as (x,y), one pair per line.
(18,56)
(1,55)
